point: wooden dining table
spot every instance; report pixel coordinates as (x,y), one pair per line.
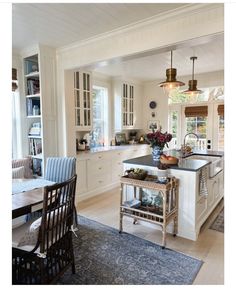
(29,200)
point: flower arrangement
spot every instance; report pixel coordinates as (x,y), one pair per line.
(157,138)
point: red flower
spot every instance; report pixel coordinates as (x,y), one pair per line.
(158,138)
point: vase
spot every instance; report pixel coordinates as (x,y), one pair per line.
(156,153)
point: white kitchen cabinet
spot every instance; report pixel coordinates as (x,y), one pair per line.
(127,105)
(101,171)
(83,100)
(39,66)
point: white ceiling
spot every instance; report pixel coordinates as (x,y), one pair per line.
(210,57)
(58,25)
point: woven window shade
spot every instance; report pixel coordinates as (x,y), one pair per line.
(196,111)
(221,110)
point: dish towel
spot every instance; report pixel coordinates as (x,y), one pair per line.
(203,182)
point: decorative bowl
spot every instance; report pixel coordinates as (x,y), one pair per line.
(171,162)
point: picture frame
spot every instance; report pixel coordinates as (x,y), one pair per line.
(153,124)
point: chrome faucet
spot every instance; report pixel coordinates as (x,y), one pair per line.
(186,136)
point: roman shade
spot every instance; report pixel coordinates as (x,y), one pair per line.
(220,110)
(196,111)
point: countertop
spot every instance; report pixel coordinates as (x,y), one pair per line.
(184,164)
(110,148)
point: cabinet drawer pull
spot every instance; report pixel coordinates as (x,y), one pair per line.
(99,157)
(99,168)
(100,181)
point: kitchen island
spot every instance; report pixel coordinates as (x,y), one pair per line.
(194,172)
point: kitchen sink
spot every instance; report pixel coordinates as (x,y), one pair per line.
(204,157)
(215,166)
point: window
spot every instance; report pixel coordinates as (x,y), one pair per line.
(221,127)
(16,130)
(173,128)
(221,133)
(100,116)
(209,94)
(197,125)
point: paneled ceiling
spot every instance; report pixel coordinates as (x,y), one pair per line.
(210,57)
(58,25)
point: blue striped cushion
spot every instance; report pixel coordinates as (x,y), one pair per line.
(59,169)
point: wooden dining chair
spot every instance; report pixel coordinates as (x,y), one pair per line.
(58,169)
(45,251)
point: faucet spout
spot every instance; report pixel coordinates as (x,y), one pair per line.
(191,133)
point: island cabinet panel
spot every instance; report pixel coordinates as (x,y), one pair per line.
(201,208)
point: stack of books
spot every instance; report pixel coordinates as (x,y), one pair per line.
(35,129)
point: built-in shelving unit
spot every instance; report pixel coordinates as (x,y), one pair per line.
(33,110)
(39,91)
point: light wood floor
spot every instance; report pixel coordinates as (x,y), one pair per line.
(209,247)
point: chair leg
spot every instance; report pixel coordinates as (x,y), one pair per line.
(73,267)
(72,257)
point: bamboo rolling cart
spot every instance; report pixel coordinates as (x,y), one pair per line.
(162,216)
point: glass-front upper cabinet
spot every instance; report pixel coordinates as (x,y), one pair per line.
(128,105)
(83,100)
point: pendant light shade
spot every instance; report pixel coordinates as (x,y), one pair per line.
(192,84)
(171,82)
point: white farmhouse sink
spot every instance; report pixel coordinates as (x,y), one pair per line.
(204,157)
(216,162)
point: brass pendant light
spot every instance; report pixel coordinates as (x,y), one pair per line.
(171,82)
(192,90)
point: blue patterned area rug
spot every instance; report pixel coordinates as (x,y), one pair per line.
(103,256)
(218,224)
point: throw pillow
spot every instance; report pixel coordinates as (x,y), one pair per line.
(27,163)
(18,172)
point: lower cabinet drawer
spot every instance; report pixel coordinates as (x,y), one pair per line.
(96,181)
(99,167)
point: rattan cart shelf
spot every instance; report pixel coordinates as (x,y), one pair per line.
(157,215)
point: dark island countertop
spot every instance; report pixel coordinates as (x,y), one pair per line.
(184,164)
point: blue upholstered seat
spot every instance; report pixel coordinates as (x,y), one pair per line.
(60,169)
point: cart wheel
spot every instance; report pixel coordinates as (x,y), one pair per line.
(120,232)
(174,235)
(163,247)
